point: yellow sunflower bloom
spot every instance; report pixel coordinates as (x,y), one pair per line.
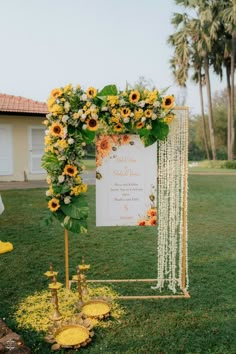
(91,92)
(92,124)
(139,125)
(168,102)
(125,112)
(70,170)
(118,127)
(134,96)
(57,129)
(57,92)
(54,204)
(148,113)
(67,88)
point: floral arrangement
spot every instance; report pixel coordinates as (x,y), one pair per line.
(74,118)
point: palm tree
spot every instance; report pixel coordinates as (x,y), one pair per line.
(189,41)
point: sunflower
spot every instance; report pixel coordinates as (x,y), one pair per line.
(139,125)
(104,145)
(57,129)
(91,92)
(54,204)
(134,96)
(57,92)
(118,127)
(125,112)
(148,113)
(168,102)
(70,170)
(92,124)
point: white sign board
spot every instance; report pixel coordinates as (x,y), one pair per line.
(126,181)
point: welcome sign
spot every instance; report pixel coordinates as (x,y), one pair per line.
(126,181)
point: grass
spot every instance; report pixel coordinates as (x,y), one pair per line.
(205,323)
(89,164)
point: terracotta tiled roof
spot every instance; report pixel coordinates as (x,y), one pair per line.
(17,104)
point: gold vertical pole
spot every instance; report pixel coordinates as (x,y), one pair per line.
(66,258)
(184,240)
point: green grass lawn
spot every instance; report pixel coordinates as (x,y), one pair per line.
(211,170)
(205,323)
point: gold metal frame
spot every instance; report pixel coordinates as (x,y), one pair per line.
(185,293)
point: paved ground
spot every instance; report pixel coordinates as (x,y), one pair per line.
(88,178)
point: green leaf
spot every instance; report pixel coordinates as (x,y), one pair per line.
(74,225)
(148,140)
(160,130)
(109,90)
(50,161)
(60,189)
(77,209)
(88,136)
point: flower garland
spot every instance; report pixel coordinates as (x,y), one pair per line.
(74,118)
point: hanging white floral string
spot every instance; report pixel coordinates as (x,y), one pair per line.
(172,206)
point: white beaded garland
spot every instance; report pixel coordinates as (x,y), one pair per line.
(172,206)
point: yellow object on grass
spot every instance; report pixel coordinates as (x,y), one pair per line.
(5,247)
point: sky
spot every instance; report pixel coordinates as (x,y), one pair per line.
(51,43)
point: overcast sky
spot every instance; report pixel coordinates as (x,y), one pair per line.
(50,43)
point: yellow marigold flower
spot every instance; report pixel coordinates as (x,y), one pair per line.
(118,127)
(47,140)
(125,112)
(67,88)
(76,115)
(168,102)
(124,94)
(78,179)
(87,112)
(57,129)
(92,124)
(88,104)
(57,92)
(70,170)
(139,125)
(114,119)
(57,109)
(138,114)
(75,190)
(78,87)
(84,188)
(148,113)
(112,100)
(50,103)
(134,96)
(91,92)
(113,111)
(62,143)
(151,97)
(54,204)
(169,118)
